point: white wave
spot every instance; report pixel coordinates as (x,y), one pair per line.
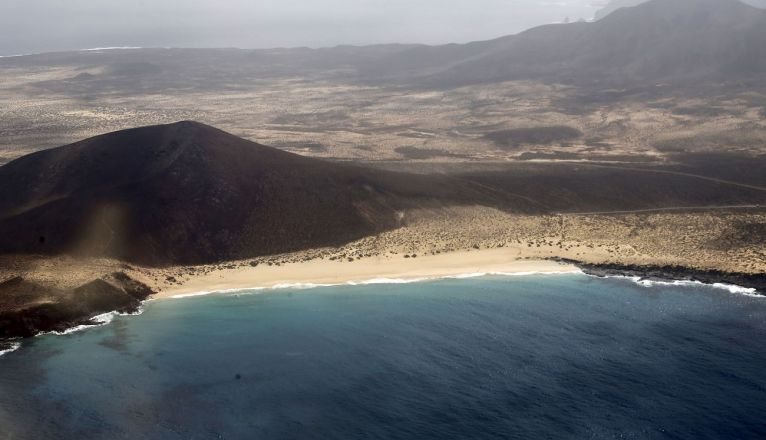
(387,281)
(515,274)
(92,49)
(681,283)
(303,286)
(215,292)
(190,295)
(98,321)
(462,276)
(467,275)
(14,346)
(282,286)
(71,330)
(732,288)
(526,274)
(738,289)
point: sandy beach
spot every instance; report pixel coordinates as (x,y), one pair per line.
(376,269)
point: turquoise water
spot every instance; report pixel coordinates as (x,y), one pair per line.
(535,357)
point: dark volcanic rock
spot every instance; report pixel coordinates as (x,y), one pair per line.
(38,309)
(99,296)
(36,319)
(674,273)
(136,289)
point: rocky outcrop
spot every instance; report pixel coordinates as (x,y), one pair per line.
(29,308)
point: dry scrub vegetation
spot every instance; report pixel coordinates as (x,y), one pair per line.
(723,240)
(43,106)
(729,241)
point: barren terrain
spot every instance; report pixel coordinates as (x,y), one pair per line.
(48,103)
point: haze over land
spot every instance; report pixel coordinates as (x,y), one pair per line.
(28,27)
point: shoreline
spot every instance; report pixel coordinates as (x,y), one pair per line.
(372,281)
(321,273)
(430,268)
(753,285)
(376,270)
(395,269)
(647,275)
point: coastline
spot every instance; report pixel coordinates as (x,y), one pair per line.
(298,275)
(385,269)
(67,310)
(382,269)
(462,264)
(745,283)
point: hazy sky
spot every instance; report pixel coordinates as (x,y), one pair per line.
(47,25)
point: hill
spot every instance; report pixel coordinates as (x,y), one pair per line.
(615,5)
(190,193)
(675,41)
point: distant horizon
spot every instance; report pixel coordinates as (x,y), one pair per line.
(400,43)
(38,28)
(48,26)
(392,43)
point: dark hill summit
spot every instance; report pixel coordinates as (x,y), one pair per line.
(190,193)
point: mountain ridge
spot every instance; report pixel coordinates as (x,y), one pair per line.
(656,41)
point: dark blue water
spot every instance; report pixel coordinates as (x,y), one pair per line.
(544,357)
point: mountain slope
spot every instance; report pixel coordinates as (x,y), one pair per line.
(657,41)
(618,4)
(189,193)
(615,5)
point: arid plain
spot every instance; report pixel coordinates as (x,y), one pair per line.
(54,100)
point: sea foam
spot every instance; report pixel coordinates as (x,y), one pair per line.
(14,346)
(371,281)
(387,281)
(98,321)
(732,288)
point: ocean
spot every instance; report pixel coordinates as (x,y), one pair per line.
(532,357)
